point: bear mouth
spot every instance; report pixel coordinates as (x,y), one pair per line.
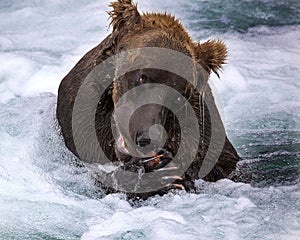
(156,162)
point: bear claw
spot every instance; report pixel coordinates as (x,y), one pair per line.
(172,177)
(176,186)
(166,169)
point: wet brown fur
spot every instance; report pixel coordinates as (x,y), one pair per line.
(127,22)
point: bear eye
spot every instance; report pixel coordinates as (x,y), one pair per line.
(142,79)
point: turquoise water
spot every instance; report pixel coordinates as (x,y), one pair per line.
(230,15)
(45,194)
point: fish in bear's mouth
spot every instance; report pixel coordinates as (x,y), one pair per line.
(156,162)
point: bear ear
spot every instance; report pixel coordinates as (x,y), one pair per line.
(211,55)
(124,13)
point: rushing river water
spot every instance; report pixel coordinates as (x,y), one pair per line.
(44,195)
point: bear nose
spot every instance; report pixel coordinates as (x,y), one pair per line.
(155,137)
(142,140)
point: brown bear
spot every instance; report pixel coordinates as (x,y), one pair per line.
(132,30)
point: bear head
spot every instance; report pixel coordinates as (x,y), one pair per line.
(133,30)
